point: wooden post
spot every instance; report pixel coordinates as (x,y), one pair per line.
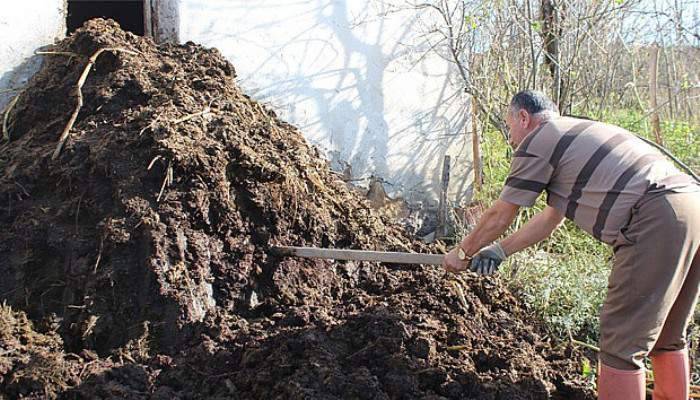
(653,103)
(476,154)
(147,19)
(441,228)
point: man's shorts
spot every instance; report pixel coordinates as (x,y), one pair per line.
(653,286)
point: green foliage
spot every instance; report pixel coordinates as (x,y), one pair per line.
(681,138)
(587,371)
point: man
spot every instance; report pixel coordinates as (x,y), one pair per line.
(625,193)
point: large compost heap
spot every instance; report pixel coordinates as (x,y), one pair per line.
(136,264)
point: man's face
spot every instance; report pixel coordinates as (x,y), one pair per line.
(518,123)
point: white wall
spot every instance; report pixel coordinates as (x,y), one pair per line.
(353,75)
(25,26)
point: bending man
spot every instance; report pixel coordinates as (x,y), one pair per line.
(626,194)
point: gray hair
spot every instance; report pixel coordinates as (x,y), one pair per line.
(534,102)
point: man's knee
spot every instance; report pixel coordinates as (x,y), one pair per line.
(623,346)
(673,345)
(622,361)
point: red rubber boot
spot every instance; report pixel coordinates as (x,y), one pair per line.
(671,375)
(619,384)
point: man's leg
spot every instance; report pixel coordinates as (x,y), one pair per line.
(652,259)
(669,358)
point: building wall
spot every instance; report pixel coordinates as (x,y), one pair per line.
(355,76)
(26,26)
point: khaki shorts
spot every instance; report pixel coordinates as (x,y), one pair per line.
(653,286)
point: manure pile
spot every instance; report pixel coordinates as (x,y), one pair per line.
(135,264)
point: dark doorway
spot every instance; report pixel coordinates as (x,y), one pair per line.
(128,13)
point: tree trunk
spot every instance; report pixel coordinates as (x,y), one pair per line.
(653,73)
(476,153)
(442,229)
(551,33)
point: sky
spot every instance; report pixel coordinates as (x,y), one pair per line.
(656,20)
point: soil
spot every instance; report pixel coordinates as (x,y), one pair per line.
(136,264)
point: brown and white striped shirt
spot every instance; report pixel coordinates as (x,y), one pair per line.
(593,173)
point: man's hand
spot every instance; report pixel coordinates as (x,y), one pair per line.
(487,260)
(453,264)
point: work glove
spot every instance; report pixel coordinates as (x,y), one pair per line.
(487,260)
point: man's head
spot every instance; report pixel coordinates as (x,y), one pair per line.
(527,110)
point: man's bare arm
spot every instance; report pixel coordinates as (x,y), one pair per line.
(535,230)
(492,224)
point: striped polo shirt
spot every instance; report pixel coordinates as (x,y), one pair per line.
(593,173)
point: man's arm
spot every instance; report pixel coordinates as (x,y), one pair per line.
(495,222)
(535,230)
(492,224)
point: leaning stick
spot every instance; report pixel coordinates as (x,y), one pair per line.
(672,157)
(78,89)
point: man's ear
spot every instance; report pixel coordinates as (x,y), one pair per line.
(523,118)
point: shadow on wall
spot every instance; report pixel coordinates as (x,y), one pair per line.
(354,71)
(165,28)
(447,129)
(13,81)
(349,72)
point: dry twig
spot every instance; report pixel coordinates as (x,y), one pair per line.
(460,293)
(150,165)
(99,255)
(79,92)
(167,180)
(68,54)
(57,53)
(586,345)
(205,111)
(6,117)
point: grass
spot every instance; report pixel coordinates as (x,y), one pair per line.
(563,279)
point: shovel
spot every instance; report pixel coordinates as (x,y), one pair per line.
(390,257)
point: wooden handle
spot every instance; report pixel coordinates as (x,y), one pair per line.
(359,255)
